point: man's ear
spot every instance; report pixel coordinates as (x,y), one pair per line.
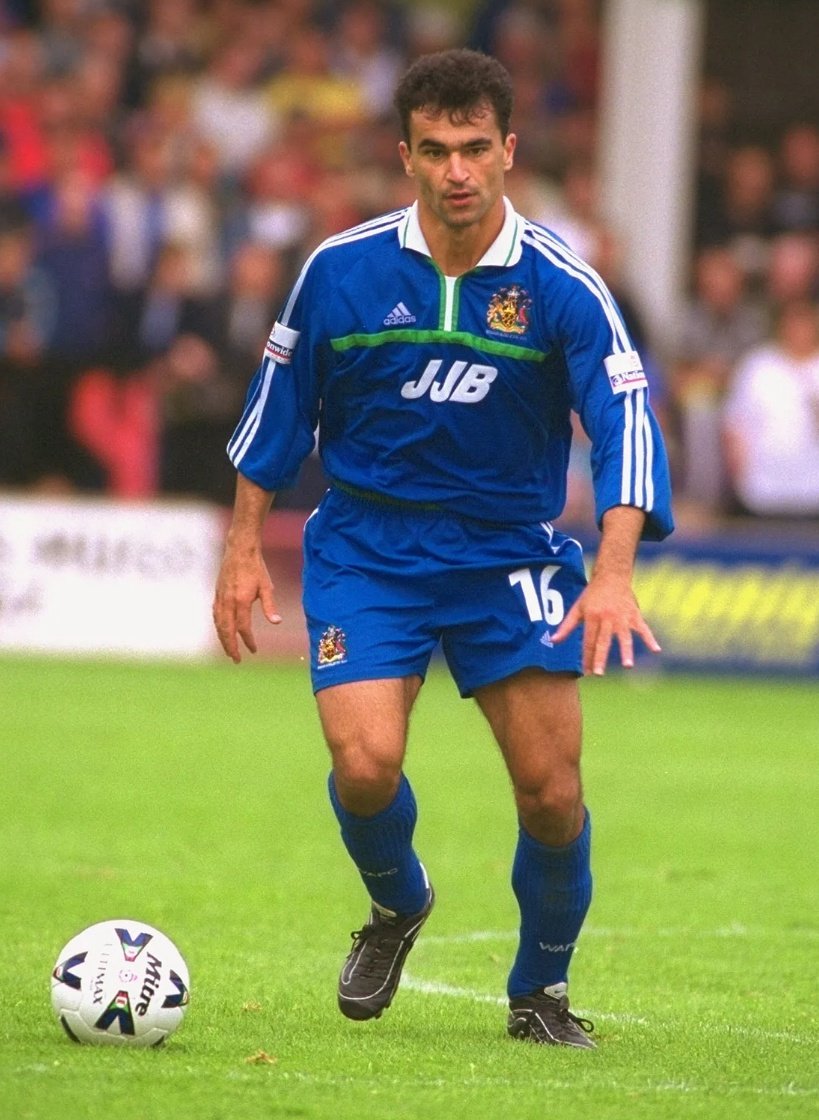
(406,158)
(509,151)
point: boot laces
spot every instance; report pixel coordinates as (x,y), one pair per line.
(565,1016)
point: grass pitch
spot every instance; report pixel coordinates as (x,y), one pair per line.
(192,797)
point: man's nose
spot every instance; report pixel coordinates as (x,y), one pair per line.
(457,170)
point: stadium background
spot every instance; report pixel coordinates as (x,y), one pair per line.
(165,168)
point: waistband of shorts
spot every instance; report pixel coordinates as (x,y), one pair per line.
(373,497)
(386,502)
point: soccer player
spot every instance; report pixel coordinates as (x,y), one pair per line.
(440,350)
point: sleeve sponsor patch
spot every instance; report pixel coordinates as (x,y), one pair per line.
(281,344)
(625,371)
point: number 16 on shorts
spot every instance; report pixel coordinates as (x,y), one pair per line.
(543,602)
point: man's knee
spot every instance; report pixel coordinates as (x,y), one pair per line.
(370,775)
(366,773)
(365,728)
(551,810)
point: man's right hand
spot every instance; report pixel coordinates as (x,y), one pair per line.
(243,578)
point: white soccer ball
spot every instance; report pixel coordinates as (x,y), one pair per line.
(120,983)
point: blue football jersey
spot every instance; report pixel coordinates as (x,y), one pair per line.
(456,391)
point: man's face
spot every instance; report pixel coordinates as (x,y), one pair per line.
(458,167)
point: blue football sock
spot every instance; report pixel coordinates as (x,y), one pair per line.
(381,848)
(553,887)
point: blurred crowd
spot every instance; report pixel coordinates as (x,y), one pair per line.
(166,166)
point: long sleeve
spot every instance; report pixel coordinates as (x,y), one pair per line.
(610,392)
(277,429)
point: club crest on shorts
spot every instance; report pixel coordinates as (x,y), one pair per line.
(332,647)
(508,310)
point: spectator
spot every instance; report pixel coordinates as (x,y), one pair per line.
(196,355)
(171,42)
(363,53)
(230,110)
(576,218)
(796,198)
(163,196)
(715,112)
(25,306)
(73,139)
(526,43)
(61,33)
(431,27)
(743,217)
(258,281)
(168,306)
(793,268)
(72,255)
(192,426)
(21,76)
(23,328)
(580,40)
(274,210)
(486,19)
(135,201)
(36,447)
(99,90)
(308,87)
(771,420)
(194,196)
(720,325)
(13,213)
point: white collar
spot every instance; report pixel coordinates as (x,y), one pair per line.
(504,251)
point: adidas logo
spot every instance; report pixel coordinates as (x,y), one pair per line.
(399,314)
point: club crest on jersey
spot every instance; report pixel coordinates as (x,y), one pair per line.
(508,310)
(332,647)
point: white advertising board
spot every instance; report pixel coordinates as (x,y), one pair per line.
(93,576)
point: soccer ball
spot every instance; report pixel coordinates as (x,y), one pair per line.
(120,983)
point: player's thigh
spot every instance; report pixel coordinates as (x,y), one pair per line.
(537,721)
(370,716)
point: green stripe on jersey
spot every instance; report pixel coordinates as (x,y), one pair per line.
(487,345)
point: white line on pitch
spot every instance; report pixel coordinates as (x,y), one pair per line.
(546,1083)
(730,931)
(433,988)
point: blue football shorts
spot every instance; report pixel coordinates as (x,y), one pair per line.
(383,585)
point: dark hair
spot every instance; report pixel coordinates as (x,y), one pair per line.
(458,82)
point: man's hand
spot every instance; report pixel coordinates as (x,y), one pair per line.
(243,577)
(607,608)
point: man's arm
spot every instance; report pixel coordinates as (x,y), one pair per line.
(607,607)
(243,577)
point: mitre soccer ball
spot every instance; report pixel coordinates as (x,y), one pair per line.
(120,983)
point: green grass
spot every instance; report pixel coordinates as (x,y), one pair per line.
(192,797)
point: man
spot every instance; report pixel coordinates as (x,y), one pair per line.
(771,418)
(439,349)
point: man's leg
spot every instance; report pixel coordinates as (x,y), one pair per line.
(365,725)
(535,717)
